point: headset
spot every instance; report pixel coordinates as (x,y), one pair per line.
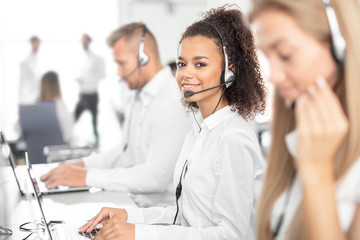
(227,76)
(143,58)
(338,44)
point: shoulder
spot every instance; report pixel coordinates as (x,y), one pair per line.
(168,92)
(239,139)
(236,128)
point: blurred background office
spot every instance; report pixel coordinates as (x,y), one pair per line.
(60,25)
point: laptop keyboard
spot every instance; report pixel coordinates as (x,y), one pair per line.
(71,232)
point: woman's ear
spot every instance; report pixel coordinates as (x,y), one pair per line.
(232,67)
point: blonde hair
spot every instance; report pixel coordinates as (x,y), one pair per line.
(50,87)
(311,16)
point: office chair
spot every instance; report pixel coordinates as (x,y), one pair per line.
(40,128)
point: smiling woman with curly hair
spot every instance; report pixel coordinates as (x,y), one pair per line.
(219,170)
(247,94)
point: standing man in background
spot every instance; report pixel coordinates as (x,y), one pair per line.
(92,71)
(30,75)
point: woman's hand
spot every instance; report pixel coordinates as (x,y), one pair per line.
(116,229)
(103,217)
(322,126)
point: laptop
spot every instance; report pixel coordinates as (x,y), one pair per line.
(54,231)
(7,153)
(42,186)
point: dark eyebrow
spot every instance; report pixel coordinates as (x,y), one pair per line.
(199,57)
(194,58)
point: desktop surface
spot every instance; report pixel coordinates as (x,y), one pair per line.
(73,208)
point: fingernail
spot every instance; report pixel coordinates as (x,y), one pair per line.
(311,89)
(301,99)
(320,81)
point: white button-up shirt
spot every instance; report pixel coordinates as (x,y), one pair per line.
(219,189)
(29,83)
(91,72)
(157,126)
(347,196)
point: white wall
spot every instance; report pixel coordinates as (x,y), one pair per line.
(168,19)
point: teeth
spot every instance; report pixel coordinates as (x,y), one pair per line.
(190,85)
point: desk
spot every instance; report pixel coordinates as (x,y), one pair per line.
(74,208)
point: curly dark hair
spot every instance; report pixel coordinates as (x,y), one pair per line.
(247,93)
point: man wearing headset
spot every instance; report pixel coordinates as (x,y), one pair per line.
(155,128)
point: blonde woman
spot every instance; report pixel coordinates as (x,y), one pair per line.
(312,184)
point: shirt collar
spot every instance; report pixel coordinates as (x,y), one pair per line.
(214,119)
(150,90)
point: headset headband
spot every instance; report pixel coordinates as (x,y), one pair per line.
(338,41)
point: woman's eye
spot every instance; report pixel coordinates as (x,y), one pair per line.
(180,64)
(200,64)
(285,57)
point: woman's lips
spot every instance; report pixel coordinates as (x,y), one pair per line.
(189,87)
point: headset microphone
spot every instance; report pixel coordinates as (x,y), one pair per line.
(189,94)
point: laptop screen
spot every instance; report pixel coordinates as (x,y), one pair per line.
(36,193)
(6,153)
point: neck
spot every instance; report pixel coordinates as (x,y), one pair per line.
(152,71)
(207,106)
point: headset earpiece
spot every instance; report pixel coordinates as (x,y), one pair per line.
(143,58)
(338,43)
(227,78)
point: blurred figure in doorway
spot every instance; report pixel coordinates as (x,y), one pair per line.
(30,74)
(92,71)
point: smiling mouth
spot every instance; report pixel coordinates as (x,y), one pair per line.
(188,87)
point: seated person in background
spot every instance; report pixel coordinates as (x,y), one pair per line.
(155,126)
(219,170)
(50,91)
(47,122)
